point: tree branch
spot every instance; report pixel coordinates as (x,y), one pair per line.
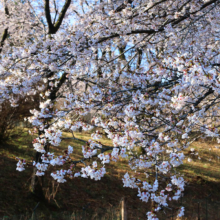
(48,16)
(173,22)
(62,14)
(5,33)
(53,28)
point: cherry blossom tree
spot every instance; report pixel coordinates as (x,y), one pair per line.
(149,70)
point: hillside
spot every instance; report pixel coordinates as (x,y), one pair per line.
(99,197)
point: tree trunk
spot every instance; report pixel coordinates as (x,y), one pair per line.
(37,182)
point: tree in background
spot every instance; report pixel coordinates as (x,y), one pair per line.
(11,117)
(18,14)
(149,70)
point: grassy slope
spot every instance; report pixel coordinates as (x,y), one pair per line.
(98,196)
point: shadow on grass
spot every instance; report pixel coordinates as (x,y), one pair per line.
(88,195)
(16,150)
(75,195)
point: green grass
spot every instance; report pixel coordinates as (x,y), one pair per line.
(99,196)
(208,166)
(202,175)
